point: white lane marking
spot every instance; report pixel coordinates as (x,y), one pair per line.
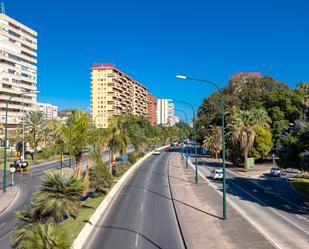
(6,235)
(301,217)
(141,209)
(2,224)
(136,240)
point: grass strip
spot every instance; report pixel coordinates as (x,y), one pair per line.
(301,184)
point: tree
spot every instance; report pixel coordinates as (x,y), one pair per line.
(75,134)
(262,144)
(34,125)
(100,177)
(117,139)
(47,236)
(213,141)
(241,129)
(59,195)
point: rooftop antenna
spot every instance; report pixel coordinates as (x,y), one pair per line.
(2,9)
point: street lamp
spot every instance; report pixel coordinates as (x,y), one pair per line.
(5,136)
(223,136)
(186,133)
(194,131)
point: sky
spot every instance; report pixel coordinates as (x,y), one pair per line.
(155,40)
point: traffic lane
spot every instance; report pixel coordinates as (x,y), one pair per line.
(282,188)
(27,189)
(157,210)
(148,222)
(296,215)
(285,234)
(29,183)
(119,226)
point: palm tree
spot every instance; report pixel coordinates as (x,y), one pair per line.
(241,128)
(213,141)
(59,195)
(117,139)
(47,236)
(33,125)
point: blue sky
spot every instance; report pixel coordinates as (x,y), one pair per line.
(155,40)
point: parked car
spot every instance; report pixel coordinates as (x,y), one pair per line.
(275,171)
(216,174)
(156,152)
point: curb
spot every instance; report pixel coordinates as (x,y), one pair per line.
(87,230)
(12,200)
(235,207)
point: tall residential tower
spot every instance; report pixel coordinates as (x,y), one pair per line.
(114,93)
(18,70)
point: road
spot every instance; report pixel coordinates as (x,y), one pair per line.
(279,211)
(142,215)
(28,183)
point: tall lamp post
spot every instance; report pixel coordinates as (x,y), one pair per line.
(6,135)
(186,133)
(223,136)
(194,131)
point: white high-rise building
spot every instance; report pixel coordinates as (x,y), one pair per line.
(18,69)
(165,112)
(49,111)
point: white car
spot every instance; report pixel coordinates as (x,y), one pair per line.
(156,152)
(275,171)
(216,174)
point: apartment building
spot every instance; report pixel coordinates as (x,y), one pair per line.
(49,111)
(165,112)
(18,70)
(114,93)
(152,109)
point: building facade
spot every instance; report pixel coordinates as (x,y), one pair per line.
(114,93)
(152,109)
(165,112)
(49,111)
(18,69)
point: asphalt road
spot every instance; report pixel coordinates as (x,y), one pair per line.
(281,213)
(142,215)
(28,183)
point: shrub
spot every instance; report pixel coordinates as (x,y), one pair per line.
(132,158)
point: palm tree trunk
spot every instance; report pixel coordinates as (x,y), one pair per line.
(246,157)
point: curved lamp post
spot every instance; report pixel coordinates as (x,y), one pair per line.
(194,131)
(6,135)
(186,116)
(223,136)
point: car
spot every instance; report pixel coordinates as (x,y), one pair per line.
(156,152)
(275,171)
(168,149)
(216,174)
(20,165)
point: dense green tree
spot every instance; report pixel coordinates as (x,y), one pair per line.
(262,144)
(100,177)
(33,126)
(75,134)
(242,128)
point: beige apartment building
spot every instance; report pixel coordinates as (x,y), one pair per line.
(114,93)
(18,70)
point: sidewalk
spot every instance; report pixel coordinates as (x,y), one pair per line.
(7,198)
(199,209)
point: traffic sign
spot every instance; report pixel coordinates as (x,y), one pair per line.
(12,169)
